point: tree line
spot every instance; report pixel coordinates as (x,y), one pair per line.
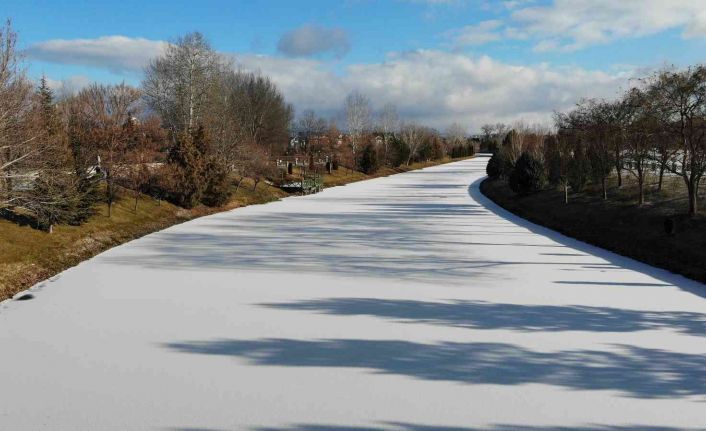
(193,124)
(190,134)
(657,127)
(377,139)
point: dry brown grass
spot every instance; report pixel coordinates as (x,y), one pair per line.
(28,255)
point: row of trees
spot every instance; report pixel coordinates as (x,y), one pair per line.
(378,139)
(221,122)
(193,130)
(194,126)
(657,127)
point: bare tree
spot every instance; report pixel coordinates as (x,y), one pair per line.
(456,134)
(106,112)
(389,123)
(494,134)
(258,165)
(681,108)
(640,131)
(358,112)
(596,128)
(262,113)
(20,146)
(227,136)
(178,84)
(413,135)
(310,126)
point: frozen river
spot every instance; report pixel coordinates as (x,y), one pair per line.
(402,303)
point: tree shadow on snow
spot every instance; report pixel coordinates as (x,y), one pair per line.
(396,426)
(415,427)
(633,371)
(383,233)
(613,259)
(518,317)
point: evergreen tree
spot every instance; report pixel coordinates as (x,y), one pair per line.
(217,190)
(494,167)
(368,161)
(528,175)
(187,166)
(57,194)
(399,151)
(47,108)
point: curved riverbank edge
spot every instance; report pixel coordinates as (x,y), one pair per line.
(564,234)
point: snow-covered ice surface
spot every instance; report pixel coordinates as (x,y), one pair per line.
(404,303)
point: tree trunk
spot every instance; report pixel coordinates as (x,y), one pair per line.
(51,228)
(137,195)
(566,193)
(641,185)
(620,178)
(255,185)
(661,176)
(110,208)
(693,198)
(605,188)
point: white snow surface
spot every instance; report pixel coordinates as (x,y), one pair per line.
(406,303)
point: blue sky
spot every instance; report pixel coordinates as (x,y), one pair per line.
(398,51)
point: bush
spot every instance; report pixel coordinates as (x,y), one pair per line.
(424,152)
(494,167)
(183,176)
(368,160)
(217,191)
(528,175)
(399,151)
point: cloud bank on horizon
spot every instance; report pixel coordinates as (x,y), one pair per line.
(489,70)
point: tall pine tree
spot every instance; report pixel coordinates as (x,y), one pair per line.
(57,194)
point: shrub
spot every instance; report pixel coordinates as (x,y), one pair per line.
(183,179)
(399,151)
(424,152)
(494,167)
(368,160)
(528,175)
(217,191)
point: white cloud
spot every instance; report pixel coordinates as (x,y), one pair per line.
(311,40)
(478,34)
(431,86)
(69,86)
(574,24)
(118,54)
(439,88)
(569,25)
